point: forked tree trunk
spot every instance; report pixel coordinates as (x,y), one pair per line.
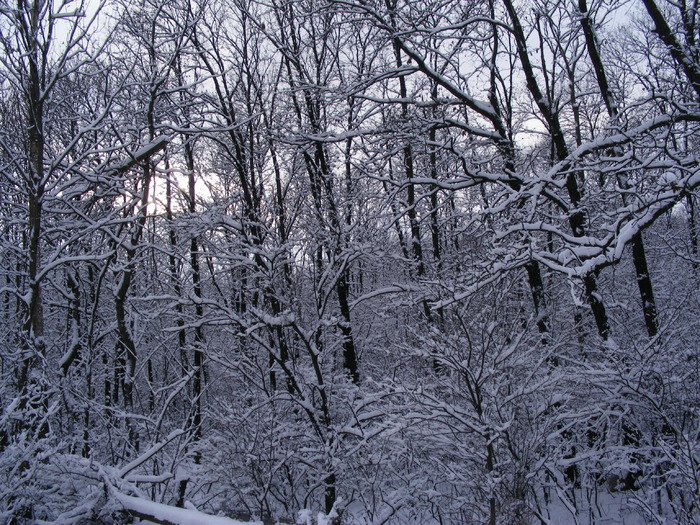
(574,180)
(639,257)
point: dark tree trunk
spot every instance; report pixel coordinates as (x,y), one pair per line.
(577,218)
(646,291)
(639,258)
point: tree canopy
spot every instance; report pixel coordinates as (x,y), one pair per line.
(349,261)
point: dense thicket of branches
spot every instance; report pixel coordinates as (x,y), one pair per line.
(421,261)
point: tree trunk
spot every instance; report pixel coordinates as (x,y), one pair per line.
(198,342)
(574,179)
(639,258)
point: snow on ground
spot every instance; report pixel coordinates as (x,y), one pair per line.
(604,509)
(174,515)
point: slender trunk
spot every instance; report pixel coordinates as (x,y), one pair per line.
(34,321)
(125,361)
(320,178)
(534,277)
(343,287)
(243,159)
(198,335)
(349,353)
(507,149)
(574,180)
(126,348)
(490,458)
(639,258)
(646,291)
(73,325)
(198,361)
(330,492)
(414,227)
(434,224)
(174,278)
